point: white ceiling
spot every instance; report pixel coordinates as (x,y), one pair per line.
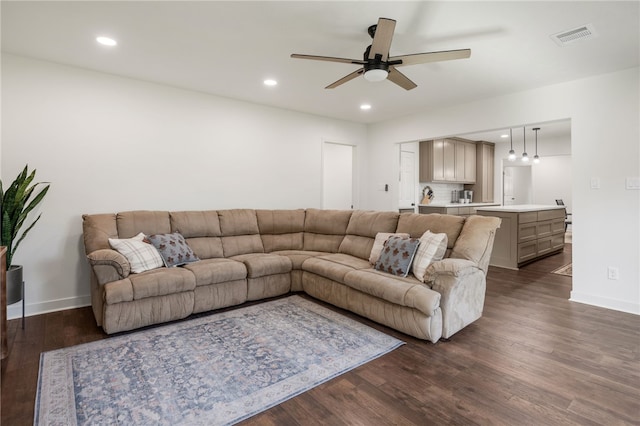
(555,131)
(229,48)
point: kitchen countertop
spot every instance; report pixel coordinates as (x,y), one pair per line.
(458,205)
(520,208)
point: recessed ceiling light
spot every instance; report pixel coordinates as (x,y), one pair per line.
(504,136)
(270,82)
(106,41)
(365,106)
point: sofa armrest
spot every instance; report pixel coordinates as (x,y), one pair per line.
(462,286)
(109,265)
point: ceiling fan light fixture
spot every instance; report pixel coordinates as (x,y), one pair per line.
(536,158)
(512,153)
(525,156)
(376,75)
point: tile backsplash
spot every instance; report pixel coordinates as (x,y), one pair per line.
(442,191)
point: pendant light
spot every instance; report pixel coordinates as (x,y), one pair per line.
(525,157)
(512,153)
(536,159)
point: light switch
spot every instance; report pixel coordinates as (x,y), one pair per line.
(632,183)
(595,183)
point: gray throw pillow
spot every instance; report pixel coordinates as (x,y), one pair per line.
(173,248)
(397,255)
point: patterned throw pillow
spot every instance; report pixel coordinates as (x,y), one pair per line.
(432,249)
(142,256)
(173,248)
(397,255)
(381,237)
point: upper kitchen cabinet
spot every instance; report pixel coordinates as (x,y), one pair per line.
(483,187)
(448,160)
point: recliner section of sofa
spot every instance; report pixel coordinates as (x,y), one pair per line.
(250,254)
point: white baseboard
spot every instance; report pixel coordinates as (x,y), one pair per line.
(603,302)
(15,311)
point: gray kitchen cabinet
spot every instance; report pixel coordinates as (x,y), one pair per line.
(448,160)
(483,188)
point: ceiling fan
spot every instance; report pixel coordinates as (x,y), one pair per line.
(377,65)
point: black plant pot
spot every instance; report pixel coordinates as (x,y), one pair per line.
(14,284)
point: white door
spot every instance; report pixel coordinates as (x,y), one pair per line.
(518,188)
(337,176)
(507,185)
(407,179)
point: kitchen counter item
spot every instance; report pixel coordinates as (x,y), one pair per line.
(427,195)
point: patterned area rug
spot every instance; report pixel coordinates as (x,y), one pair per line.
(564,270)
(214,370)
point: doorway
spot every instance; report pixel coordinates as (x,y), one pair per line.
(337,176)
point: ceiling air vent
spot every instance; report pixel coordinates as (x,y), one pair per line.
(585,32)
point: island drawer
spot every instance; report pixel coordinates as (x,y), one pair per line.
(528,217)
(551,214)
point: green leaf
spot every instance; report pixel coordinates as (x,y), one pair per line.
(16,203)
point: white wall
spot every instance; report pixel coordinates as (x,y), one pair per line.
(552,180)
(111,144)
(605,130)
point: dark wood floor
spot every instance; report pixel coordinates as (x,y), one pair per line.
(534,358)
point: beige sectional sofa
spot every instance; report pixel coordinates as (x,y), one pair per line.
(250,254)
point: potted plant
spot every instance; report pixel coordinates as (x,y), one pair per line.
(16,202)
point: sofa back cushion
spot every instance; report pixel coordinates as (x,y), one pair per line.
(417,224)
(362,229)
(281,229)
(240,232)
(324,230)
(201,230)
(475,242)
(96,231)
(132,223)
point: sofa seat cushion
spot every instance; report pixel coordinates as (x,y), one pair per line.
(401,291)
(264,264)
(334,266)
(216,271)
(297,257)
(161,282)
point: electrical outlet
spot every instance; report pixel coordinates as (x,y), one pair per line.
(613,273)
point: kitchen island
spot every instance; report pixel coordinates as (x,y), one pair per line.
(527,233)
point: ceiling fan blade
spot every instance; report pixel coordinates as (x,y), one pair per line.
(382,38)
(344,79)
(328,59)
(400,79)
(423,58)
